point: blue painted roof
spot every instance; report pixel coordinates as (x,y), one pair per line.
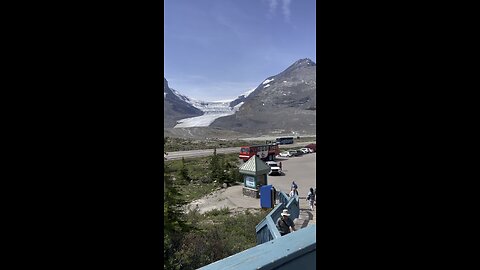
(271,254)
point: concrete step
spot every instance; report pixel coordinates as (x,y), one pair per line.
(307,217)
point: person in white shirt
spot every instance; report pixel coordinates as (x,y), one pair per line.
(293,192)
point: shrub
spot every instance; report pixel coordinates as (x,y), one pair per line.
(217,212)
(209,243)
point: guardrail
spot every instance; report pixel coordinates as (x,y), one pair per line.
(282,197)
(293,207)
(267,230)
(292,251)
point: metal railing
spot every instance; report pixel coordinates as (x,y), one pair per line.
(282,197)
(292,251)
(293,207)
(267,230)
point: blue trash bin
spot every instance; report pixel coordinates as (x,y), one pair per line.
(266,200)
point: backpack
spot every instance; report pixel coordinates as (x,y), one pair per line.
(309,196)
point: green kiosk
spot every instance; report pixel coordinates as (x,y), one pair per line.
(254,173)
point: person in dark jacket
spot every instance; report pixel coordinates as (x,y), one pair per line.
(311,198)
(294,185)
(284,223)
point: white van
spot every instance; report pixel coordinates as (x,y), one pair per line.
(274,169)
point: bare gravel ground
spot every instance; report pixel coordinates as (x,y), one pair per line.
(230,197)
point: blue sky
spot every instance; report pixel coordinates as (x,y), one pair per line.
(219,49)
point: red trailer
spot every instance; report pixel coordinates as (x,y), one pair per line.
(265,152)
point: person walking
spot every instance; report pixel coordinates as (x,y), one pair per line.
(285,223)
(294,185)
(311,198)
(280,165)
(293,192)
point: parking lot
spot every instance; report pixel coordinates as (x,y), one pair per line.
(302,169)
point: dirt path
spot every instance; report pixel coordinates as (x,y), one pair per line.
(230,197)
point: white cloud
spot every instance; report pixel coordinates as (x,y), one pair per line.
(286,9)
(272,4)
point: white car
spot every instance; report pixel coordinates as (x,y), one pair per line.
(274,169)
(304,150)
(285,154)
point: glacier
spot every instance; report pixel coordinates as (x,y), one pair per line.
(211,109)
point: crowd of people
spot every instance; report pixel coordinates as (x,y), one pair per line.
(284,223)
(311,196)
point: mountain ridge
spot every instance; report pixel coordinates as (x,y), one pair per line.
(285,102)
(175,107)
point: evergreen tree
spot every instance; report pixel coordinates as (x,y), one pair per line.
(225,178)
(235,175)
(173,203)
(214,167)
(174,224)
(184,172)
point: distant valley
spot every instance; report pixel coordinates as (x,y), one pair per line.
(281,104)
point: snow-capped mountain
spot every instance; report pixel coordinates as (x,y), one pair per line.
(282,103)
(176,107)
(285,102)
(241,98)
(211,110)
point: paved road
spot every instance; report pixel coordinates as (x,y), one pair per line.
(206,152)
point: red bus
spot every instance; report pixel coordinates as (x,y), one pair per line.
(265,151)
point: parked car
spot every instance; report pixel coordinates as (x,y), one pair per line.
(305,150)
(293,153)
(296,152)
(285,154)
(312,146)
(274,168)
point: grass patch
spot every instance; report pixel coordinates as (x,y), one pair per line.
(219,235)
(216,234)
(196,191)
(304,139)
(180,144)
(198,170)
(225,211)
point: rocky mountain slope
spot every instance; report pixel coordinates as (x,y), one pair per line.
(176,107)
(282,103)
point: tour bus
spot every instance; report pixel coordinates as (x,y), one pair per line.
(265,151)
(285,140)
